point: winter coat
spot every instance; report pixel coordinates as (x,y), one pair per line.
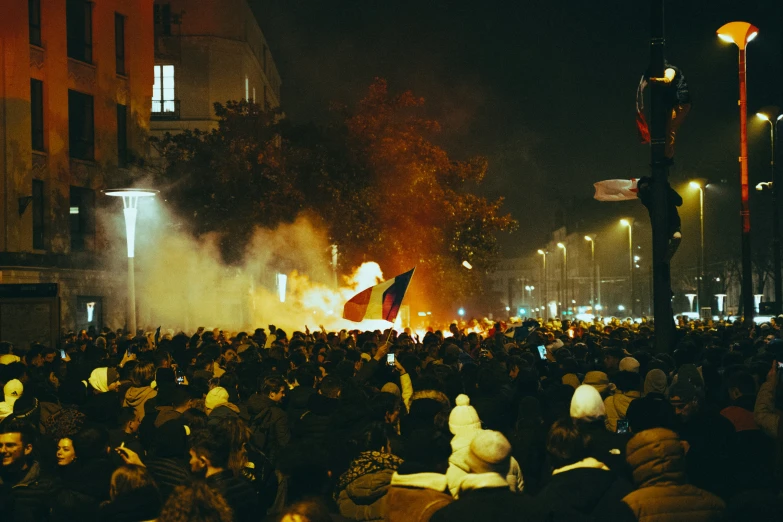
(168,473)
(29,500)
(361,490)
(458,466)
(270,425)
(139,505)
(84,484)
(607,447)
(617,406)
(239,494)
(486,496)
(136,397)
(415,497)
(657,460)
(313,425)
(586,490)
(764,412)
(297,402)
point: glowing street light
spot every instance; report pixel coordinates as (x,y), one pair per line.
(461,312)
(467,265)
(629,223)
(544,287)
(740,34)
(591,239)
(700,269)
(565,270)
(130,201)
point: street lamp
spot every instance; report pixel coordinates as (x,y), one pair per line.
(741,33)
(564,276)
(700,268)
(130,201)
(629,223)
(591,239)
(543,254)
(772,115)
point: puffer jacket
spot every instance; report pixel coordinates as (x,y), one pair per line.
(458,466)
(361,490)
(617,406)
(136,397)
(657,460)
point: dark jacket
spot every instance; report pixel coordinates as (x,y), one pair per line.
(239,494)
(270,425)
(137,506)
(28,499)
(84,484)
(586,493)
(297,402)
(168,473)
(313,425)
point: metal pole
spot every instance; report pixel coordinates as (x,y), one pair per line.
(701,251)
(775,222)
(630,266)
(748,303)
(131,297)
(592,281)
(659,113)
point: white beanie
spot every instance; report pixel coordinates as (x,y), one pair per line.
(216,397)
(489,452)
(629,364)
(463,418)
(587,404)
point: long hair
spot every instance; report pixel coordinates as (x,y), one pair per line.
(239,435)
(195,502)
(129,478)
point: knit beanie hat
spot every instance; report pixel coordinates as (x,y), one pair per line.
(463,417)
(655,382)
(587,404)
(490,452)
(629,364)
(216,397)
(599,381)
(392,388)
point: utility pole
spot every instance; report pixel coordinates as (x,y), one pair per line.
(664,318)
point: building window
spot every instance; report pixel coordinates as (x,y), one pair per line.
(162,19)
(38,215)
(122,135)
(82,216)
(78,19)
(119,42)
(37,113)
(163,89)
(34,18)
(81,128)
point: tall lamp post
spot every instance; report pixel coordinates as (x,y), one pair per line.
(772,116)
(700,269)
(741,33)
(629,223)
(565,273)
(591,239)
(543,254)
(130,201)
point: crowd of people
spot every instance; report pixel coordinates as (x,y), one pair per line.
(548,421)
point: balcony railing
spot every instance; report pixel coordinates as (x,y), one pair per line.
(165,110)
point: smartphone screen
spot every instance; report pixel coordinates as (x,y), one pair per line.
(62,354)
(622,426)
(390,359)
(181,379)
(542,352)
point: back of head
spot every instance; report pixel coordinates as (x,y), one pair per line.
(213,444)
(490,452)
(196,502)
(463,418)
(655,382)
(566,444)
(128,479)
(587,405)
(426,450)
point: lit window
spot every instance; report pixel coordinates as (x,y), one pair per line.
(163,89)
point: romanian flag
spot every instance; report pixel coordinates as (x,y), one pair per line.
(381,301)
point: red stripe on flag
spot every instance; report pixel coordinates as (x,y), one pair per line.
(355,309)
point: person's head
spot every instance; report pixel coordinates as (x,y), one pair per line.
(16,443)
(741,384)
(209,452)
(375,437)
(306,511)
(587,405)
(386,407)
(65,452)
(684,396)
(274,387)
(490,452)
(229,354)
(91,442)
(49,355)
(427,450)
(463,418)
(566,444)
(34,356)
(612,357)
(330,387)
(135,480)
(238,435)
(127,420)
(195,502)
(142,374)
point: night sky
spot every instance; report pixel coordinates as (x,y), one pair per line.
(546,91)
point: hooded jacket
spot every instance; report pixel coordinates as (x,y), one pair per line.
(136,397)
(617,406)
(361,489)
(657,461)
